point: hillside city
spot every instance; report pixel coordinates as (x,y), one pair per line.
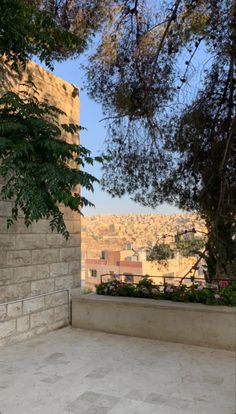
(118,244)
(115,232)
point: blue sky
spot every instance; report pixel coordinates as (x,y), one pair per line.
(93,139)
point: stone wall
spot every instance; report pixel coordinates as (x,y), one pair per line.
(186,323)
(38,268)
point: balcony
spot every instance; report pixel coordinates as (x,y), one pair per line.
(85,372)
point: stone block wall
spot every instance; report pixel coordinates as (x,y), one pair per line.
(38,269)
(31,316)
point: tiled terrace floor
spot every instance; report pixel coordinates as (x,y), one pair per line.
(82,372)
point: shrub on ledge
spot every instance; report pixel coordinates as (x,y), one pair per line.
(225,294)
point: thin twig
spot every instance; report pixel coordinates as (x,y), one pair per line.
(171,18)
(113,117)
(154,27)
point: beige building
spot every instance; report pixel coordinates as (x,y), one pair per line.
(38,269)
(132,267)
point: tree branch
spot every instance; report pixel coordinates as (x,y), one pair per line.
(194,267)
(171,18)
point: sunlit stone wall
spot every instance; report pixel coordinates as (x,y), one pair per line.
(37,266)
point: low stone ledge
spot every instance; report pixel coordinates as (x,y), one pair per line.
(187,323)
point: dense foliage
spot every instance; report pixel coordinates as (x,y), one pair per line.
(40,168)
(160,252)
(172,133)
(185,243)
(190,246)
(224,294)
(165,74)
(27,31)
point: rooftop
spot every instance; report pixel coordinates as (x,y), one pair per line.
(86,372)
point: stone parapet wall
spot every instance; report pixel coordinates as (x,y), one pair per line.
(34,262)
(186,323)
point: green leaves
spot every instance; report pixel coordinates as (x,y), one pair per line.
(51,30)
(161,252)
(27,30)
(170,138)
(171,114)
(195,293)
(40,168)
(191,246)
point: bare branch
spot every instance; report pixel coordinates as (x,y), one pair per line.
(194,267)
(170,20)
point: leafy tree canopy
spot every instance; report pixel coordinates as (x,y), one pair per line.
(160,252)
(27,31)
(190,247)
(53,30)
(167,143)
(40,168)
(170,138)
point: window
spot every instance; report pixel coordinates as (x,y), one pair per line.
(129,278)
(93,273)
(104,254)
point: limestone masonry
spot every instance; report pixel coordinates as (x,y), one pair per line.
(38,268)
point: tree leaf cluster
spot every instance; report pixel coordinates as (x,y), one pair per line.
(160,252)
(26,31)
(40,169)
(165,147)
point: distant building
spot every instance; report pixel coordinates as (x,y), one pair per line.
(132,266)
